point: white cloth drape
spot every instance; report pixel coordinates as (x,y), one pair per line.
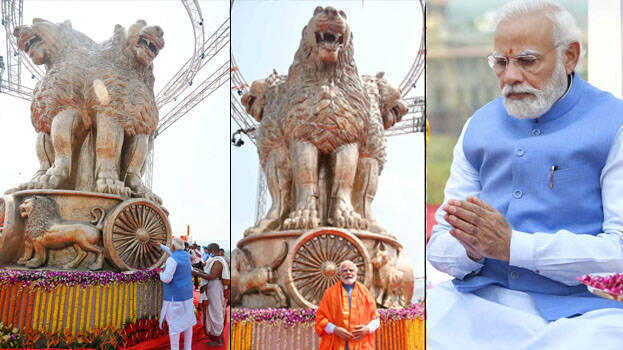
(502,319)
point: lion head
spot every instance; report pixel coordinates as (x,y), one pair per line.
(39,212)
(254,100)
(391,104)
(44,41)
(327,33)
(143,42)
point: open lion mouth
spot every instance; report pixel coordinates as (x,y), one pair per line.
(31,42)
(150,45)
(329,38)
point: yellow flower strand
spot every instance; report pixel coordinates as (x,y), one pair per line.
(86,305)
(87,323)
(42,308)
(61,308)
(125,302)
(102,318)
(70,303)
(36,308)
(133,302)
(96,301)
(236,337)
(48,311)
(109,307)
(78,292)
(115,305)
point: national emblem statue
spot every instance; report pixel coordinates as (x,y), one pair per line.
(94,104)
(321,145)
(94,112)
(321,127)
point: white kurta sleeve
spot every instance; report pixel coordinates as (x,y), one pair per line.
(443,251)
(166,276)
(564,255)
(374,324)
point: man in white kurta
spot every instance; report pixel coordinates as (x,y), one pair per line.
(533,201)
(177,307)
(212,300)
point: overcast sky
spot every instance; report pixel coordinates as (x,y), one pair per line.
(387,35)
(191,171)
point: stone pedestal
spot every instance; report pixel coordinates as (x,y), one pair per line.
(294,268)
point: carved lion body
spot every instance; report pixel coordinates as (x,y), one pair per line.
(320,138)
(94,110)
(45,229)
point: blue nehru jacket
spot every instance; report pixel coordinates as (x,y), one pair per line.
(181,286)
(515,157)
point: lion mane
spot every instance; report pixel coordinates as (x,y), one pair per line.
(326,103)
(42,215)
(64,82)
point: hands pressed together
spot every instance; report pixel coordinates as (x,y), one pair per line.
(358,333)
(480,228)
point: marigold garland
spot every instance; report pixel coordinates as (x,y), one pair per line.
(400,328)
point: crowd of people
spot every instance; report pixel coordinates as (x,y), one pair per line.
(209,268)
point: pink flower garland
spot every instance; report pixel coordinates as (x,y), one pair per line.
(50,279)
(292,317)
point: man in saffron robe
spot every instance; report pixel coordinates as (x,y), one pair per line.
(347,317)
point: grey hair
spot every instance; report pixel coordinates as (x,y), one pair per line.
(339,269)
(178,243)
(566,30)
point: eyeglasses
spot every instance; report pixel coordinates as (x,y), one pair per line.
(529,63)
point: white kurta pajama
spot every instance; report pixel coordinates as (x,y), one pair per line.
(499,318)
(214,319)
(180,315)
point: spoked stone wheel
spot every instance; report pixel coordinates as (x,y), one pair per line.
(133,232)
(314,260)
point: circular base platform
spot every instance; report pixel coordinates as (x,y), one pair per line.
(294,268)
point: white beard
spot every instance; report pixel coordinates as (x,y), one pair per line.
(542,100)
(350,280)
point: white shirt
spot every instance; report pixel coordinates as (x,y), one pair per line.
(180,315)
(562,255)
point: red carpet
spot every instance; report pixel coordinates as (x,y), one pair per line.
(199,337)
(430,219)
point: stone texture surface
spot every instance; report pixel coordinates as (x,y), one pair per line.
(321,145)
(94,113)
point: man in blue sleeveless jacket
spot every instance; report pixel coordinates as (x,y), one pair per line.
(534,200)
(177,306)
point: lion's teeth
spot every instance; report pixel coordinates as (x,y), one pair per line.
(322,36)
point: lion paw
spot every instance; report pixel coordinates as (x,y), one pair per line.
(112,186)
(344,215)
(48,181)
(147,194)
(304,218)
(97,265)
(32,263)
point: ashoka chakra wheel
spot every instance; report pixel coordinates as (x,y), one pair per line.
(313,263)
(133,231)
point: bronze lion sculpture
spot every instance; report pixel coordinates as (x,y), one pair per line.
(320,138)
(94,110)
(45,229)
